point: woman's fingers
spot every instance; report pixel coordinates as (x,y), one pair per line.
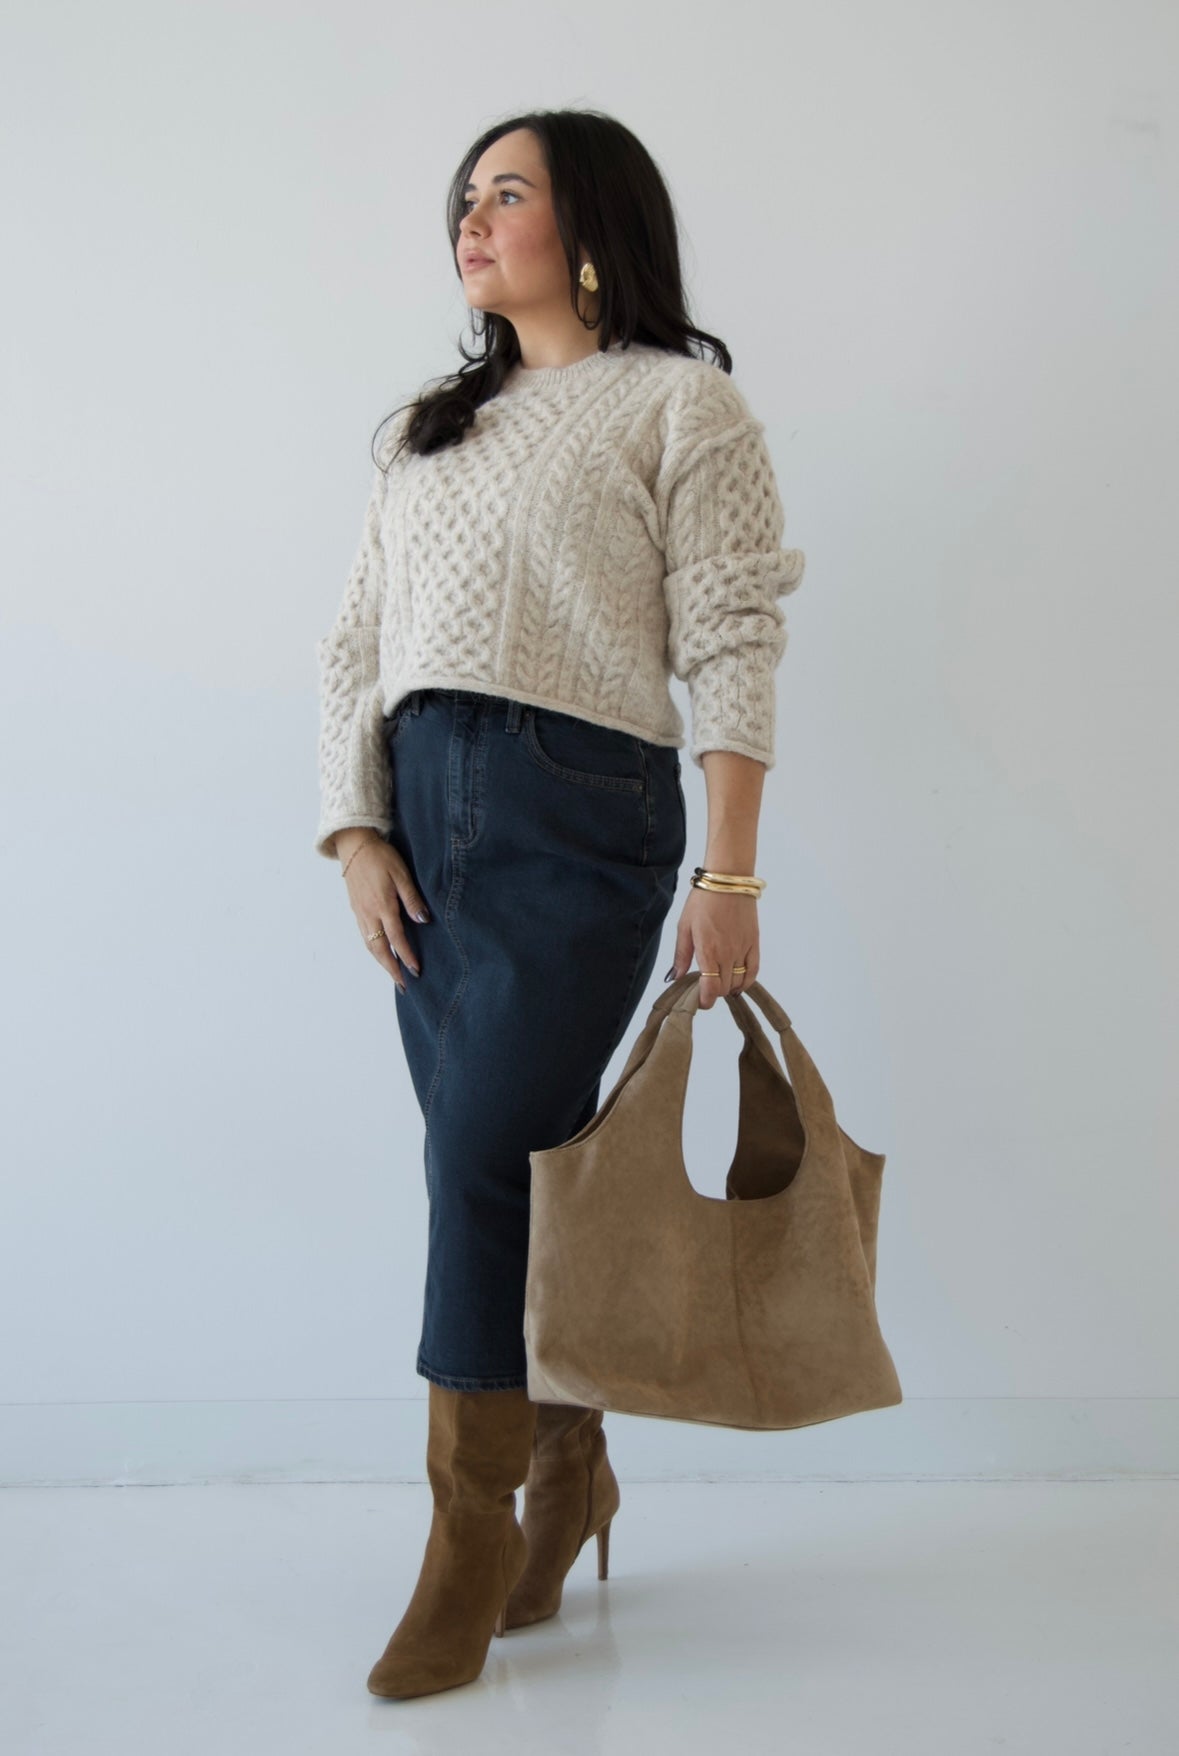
(379,884)
(382,948)
(744,977)
(711,929)
(391,947)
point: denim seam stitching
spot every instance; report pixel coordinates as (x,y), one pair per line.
(648,814)
(453,895)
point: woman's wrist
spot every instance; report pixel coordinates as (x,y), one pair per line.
(348,840)
(730,857)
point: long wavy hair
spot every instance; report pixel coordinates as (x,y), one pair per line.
(608,194)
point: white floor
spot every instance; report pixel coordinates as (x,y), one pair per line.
(925,1619)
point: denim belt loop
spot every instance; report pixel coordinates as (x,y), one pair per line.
(515,715)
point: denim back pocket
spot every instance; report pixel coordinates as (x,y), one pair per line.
(581,751)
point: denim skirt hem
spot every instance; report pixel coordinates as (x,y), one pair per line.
(449,1382)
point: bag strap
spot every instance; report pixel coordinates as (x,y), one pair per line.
(810,1091)
(689,1001)
(683,996)
(644,1042)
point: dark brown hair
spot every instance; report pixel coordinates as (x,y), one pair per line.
(608,195)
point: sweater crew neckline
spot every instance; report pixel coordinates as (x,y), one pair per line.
(520,377)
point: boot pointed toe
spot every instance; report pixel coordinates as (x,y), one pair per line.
(477,1455)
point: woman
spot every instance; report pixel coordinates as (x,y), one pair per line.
(584,507)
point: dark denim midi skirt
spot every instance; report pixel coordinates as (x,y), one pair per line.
(548,850)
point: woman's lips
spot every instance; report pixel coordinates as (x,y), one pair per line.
(473,262)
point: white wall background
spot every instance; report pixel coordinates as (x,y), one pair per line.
(940,241)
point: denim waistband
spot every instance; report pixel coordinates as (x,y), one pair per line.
(414,698)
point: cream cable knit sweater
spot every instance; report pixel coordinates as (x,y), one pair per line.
(600,526)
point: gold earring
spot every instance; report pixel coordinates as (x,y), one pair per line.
(588,278)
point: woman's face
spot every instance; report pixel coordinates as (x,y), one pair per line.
(509,224)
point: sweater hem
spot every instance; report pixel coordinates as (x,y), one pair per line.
(699,751)
(530,698)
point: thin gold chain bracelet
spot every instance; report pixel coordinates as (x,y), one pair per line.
(353,854)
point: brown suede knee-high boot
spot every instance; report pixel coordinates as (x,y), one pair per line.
(571,1494)
(477,1455)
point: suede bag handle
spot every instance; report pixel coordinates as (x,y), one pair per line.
(683,998)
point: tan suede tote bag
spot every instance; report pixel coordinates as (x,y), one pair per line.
(753,1309)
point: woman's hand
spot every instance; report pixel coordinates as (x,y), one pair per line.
(379,882)
(719,928)
(719,931)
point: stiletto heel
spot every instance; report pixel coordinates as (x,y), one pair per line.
(499,1620)
(570,1494)
(604,1548)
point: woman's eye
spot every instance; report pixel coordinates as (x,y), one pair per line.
(514,193)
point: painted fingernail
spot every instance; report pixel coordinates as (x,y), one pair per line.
(422,917)
(670,973)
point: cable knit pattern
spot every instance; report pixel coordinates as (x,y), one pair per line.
(601,527)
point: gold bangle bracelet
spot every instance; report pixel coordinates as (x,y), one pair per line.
(753,890)
(731,877)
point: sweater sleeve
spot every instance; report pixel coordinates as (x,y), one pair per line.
(354,772)
(725,571)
